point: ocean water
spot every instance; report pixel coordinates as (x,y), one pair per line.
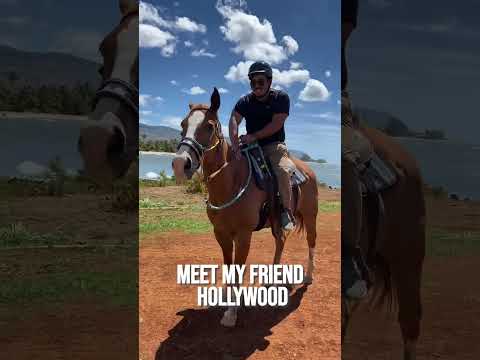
(452,165)
(155,163)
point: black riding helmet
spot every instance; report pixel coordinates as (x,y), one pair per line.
(260,67)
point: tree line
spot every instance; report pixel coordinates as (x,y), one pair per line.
(158,145)
(59,99)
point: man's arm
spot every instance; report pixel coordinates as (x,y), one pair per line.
(235,120)
(274,126)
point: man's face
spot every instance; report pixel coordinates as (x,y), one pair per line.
(260,84)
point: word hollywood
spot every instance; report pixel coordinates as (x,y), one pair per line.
(234,275)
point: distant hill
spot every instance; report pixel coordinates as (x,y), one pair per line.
(382,121)
(166,133)
(394,126)
(50,68)
(158,132)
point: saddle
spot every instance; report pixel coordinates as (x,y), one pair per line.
(376,176)
(265,179)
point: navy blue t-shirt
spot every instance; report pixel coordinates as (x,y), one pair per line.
(258,113)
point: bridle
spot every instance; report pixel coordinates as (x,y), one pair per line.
(193,144)
(119,89)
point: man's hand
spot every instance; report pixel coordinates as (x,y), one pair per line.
(247,139)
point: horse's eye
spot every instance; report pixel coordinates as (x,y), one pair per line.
(100,71)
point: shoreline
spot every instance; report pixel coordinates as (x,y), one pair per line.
(40,116)
(155,153)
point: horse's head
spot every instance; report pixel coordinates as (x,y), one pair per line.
(110,143)
(201,132)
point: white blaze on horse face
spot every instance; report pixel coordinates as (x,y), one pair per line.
(195,119)
(127,51)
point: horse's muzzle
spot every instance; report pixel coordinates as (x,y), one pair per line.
(104,151)
(182,167)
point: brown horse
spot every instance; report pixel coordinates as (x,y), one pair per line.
(203,144)
(398,259)
(109,142)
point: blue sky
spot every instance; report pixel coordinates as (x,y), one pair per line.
(73,27)
(188,47)
(419,61)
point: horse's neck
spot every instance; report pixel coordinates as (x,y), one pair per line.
(214,160)
(223,175)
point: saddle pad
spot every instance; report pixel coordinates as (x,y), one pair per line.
(377,175)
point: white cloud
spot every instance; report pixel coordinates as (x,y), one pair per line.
(173,82)
(299,105)
(291,44)
(188,44)
(288,77)
(143,99)
(146,112)
(152,37)
(149,14)
(146,99)
(176,4)
(185,24)
(223,90)
(239,72)
(254,39)
(205,42)
(196,90)
(277,87)
(380,3)
(202,52)
(195,76)
(295,65)
(171,121)
(314,90)
(157,32)
(328,73)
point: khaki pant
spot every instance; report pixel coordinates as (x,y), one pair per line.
(283,167)
(356,149)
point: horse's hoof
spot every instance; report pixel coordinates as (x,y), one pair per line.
(308,280)
(228,320)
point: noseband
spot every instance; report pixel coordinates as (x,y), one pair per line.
(198,148)
(121,90)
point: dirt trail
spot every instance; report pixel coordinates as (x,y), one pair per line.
(173,327)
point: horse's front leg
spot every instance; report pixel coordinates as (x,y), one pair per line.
(242,247)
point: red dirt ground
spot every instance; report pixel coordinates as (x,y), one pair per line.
(450,295)
(173,327)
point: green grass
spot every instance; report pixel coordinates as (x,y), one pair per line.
(50,276)
(447,243)
(172,224)
(329,206)
(181,206)
(116,287)
(19,235)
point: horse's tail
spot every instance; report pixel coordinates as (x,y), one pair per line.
(384,289)
(300,226)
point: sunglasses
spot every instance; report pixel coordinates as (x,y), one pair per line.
(259,82)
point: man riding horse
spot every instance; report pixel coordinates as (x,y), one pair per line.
(266,111)
(356,149)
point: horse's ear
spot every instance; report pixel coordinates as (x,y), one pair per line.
(190,106)
(215,100)
(127,6)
